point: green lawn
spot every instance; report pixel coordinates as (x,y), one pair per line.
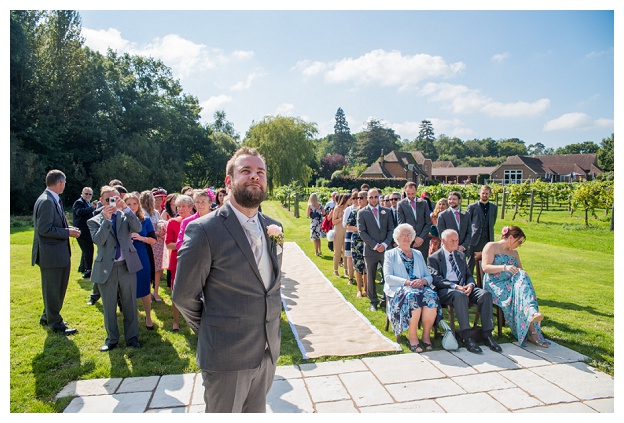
(571,268)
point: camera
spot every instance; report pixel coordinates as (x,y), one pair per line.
(112,201)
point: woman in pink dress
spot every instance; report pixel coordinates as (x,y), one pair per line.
(202,200)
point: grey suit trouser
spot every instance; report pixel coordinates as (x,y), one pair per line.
(460,302)
(54,282)
(126,282)
(373,260)
(241,391)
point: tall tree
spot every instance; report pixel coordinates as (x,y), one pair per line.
(287,146)
(426,139)
(373,140)
(342,140)
(221,124)
(606,154)
(536,149)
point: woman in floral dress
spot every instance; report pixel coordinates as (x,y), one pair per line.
(511,287)
(315,214)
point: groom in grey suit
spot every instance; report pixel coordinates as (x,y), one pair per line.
(415,211)
(448,219)
(375,225)
(227,288)
(115,266)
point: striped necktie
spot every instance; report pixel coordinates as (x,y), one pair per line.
(460,279)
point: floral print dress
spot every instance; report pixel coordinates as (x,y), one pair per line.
(357,245)
(515,295)
(316,217)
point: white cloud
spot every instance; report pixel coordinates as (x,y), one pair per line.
(101,40)
(450,127)
(246,84)
(576,120)
(384,68)
(213,104)
(284,109)
(597,54)
(500,57)
(461,99)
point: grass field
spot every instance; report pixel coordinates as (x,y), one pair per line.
(572,269)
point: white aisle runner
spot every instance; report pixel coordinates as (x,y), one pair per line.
(324,323)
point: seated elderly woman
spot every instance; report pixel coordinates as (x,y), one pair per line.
(408,289)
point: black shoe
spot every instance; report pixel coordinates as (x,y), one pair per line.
(64,330)
(382,303)
(108,347)
(490,342)
(149,327)
(372,308)
(472,346)
(91,302)
(133,342)
(43,322)
(86,275)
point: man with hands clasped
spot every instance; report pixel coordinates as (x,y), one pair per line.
(116,264)
(455,285)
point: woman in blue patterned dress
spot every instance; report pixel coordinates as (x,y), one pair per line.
(511,287)
(357,245)
(315,214)
(407,285)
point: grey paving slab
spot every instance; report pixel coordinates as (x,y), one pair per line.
(471,403)
(345,406)
(515,399)
(116,403)
(425,406)
(555,353)
(138,384)
(289,396)
(424,389)
(579,379)
(540,388)
(402,368)
(365,389)
(605,405)
(332,368)
(197,398)
(483,382)
(326,388)
(168,410)
(90,387)
(449,364)
(574,407)
(173,391)
(487,361)
(523,356)
(287,372)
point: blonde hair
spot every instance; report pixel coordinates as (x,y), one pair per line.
(135,196)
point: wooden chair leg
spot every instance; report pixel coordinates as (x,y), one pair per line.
(500,320)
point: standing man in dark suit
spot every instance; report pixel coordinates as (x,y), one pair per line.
(83,211)
(375,227)
(483,218)
(456,218)
(415,211)
(455,286)
(51,250)
(227,288)
(115,267)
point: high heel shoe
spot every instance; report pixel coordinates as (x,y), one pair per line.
(537,317)
(533,339)
(336,273)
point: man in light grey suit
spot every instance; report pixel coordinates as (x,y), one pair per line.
(51,251)
(115,266)
(415,211)
(449,218)
(227,288)
(456,286)
(375,226)
(483,218)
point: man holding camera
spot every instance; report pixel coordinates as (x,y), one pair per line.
(115,267)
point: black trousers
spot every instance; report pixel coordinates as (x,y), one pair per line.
(86,261)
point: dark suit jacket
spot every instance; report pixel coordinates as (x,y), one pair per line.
(372,234)
(51,239)
(479,225)
(82,211)
(104,237)
(220,293)
(422,222)
(436,263)
(446,220)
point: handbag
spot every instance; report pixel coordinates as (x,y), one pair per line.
(448,340)
(326,224)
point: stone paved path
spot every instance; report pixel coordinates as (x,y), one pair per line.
(527,379)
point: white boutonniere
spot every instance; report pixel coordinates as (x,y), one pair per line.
(275,234)
(419,200)
(463,213)
(383,212)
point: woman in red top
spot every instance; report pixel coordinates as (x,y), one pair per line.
(184,205)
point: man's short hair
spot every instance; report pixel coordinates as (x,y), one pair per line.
(54,177)
(107,188)
(364,187)
(410,184)
(115,182)
(445,233)
(243,151)
(456,194)
(489,188)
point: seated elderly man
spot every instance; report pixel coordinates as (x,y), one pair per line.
(455,285)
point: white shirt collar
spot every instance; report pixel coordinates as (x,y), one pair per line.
(242,218)
(54,195)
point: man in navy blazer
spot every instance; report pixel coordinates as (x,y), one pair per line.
(375,227)
(455,286)
(483,218)
(415,211)
(51,251)
(449,217)
(83,211)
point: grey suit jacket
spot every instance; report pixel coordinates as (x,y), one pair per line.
(422,222)
(479,225)
(219,292)
(51,239)
(372,234)
(102,234)
(446,220)
(436,263)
